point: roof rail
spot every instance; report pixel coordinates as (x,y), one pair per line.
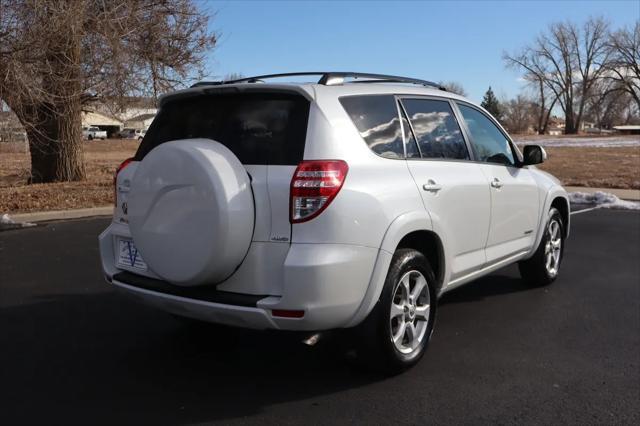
(329,78)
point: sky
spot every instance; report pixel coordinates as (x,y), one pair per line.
(461,41)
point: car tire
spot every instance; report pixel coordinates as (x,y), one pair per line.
(90,137)
(396,333)
(543,267)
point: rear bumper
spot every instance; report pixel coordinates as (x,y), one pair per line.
(220,313)
(326,281)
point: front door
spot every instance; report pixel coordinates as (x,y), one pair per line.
(453,188)
(514,193)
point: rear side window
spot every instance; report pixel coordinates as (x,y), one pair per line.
(436,129)
(376,118)
(259,128)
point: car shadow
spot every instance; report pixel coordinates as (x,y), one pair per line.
(104,359)
(503,282)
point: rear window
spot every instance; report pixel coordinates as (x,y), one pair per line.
(259,128)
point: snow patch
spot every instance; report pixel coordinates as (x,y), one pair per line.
(7,223)
(603,200)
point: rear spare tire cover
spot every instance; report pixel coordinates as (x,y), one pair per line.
(191,211)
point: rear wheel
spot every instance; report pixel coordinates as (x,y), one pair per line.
(543,267)
(396,334)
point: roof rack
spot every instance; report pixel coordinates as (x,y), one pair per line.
(329,79)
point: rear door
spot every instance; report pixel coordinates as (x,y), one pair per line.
(453,188)
(514,193)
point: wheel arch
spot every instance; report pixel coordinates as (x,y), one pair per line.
(429,244)
(562,205)
(556,197)
(409,230)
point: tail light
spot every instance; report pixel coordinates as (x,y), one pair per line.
(121,167)
(313,186)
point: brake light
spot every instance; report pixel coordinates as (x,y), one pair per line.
(313,186)
(121,167)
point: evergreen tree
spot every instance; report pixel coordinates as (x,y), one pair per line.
(491,104)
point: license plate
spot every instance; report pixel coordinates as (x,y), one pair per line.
(129,256)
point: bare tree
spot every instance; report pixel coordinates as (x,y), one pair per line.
(56,55)
(232,76)
(568,60)
(453,87)
(544,102)
(611,104)
(517,114)
(624,65)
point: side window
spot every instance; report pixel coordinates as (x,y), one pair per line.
(488,142)
(436,128)
(410,141)
(376,118)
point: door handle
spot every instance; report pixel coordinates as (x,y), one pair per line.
(495,183)
(431,186)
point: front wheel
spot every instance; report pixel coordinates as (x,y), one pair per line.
(396,333)
(543,267)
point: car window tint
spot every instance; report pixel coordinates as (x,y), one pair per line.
(410,141)
(488,142)
(436,129)
(376,118)
(259,128)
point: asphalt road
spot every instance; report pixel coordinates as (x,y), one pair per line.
(74,351)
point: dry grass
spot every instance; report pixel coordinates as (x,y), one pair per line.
(102,158)
(597,167)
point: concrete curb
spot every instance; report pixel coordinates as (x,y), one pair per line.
(624,194)
(63,214)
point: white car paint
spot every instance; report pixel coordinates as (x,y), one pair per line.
(169,220)
(333,267)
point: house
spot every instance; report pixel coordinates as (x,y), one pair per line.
(140,122)
(103,121)
(555,126)
(10,128)
(133,107)
(629,129)
(584,125)
(13,137)
(137,115)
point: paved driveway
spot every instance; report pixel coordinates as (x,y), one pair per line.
(74,351)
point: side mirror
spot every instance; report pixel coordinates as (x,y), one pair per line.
(534,154)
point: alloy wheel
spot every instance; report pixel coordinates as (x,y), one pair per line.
(552,248)
(410,308)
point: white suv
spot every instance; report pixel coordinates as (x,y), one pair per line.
(354,202)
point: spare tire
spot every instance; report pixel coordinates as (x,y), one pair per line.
(191,211)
